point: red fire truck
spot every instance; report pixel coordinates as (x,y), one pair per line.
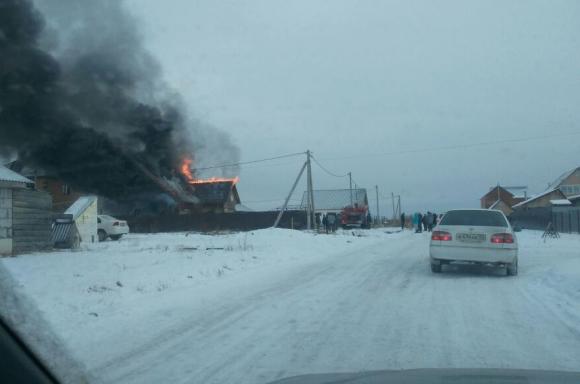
(355,217)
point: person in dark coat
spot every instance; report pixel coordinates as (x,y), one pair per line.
(419,223)
(424,221)
(402,221)
(325,223)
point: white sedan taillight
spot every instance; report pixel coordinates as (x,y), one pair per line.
(441,236)
(502,238)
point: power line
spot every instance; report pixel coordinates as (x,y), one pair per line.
(450,147)
(249,162)
(326,170)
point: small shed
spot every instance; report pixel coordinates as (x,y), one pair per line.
(25,215)
(83,213)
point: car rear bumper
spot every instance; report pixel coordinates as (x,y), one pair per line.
(471,254)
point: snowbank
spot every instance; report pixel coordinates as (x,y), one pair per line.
(135,284)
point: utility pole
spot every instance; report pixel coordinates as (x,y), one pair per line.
(393,199)
(399,205)
(377,193)
(288,197)
(350,186)
(310,192)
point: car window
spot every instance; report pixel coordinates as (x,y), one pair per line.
(475,218)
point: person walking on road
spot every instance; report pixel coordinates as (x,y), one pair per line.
(325,223)
(402,221)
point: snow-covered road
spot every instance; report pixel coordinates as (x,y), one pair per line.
(374,305)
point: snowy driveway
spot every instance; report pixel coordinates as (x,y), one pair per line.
(364,306)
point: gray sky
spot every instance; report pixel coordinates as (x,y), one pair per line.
(364,78)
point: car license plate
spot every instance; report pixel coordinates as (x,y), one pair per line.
(471,237)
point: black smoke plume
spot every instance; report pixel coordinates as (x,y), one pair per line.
(85,111)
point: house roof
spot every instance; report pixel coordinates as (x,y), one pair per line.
(560,202)
(11,176)
(23,169)
(556,183)
(537,197)
(517,192)
(494,188)
(79,206)
(336,199)
(216,192)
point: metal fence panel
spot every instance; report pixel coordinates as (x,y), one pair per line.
(532,218)
(566,219)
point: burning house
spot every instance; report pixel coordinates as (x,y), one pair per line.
(90,113)
(217,195)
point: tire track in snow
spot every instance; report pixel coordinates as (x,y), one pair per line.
(373,308)
(214,324)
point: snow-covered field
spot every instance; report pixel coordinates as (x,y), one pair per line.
(259,306)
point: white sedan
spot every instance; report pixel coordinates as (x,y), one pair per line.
(108,226)
(477,236)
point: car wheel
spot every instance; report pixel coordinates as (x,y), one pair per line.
(102,235)
(115,237)
(436,268)
(512,269)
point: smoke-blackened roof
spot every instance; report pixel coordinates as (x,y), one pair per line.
(216,192)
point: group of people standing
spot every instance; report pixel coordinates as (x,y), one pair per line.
(328,222)
(425,222)
(422,222)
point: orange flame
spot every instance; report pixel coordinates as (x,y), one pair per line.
(186,169)
(233,180)
(186,172)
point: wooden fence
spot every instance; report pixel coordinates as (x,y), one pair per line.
(210,222)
